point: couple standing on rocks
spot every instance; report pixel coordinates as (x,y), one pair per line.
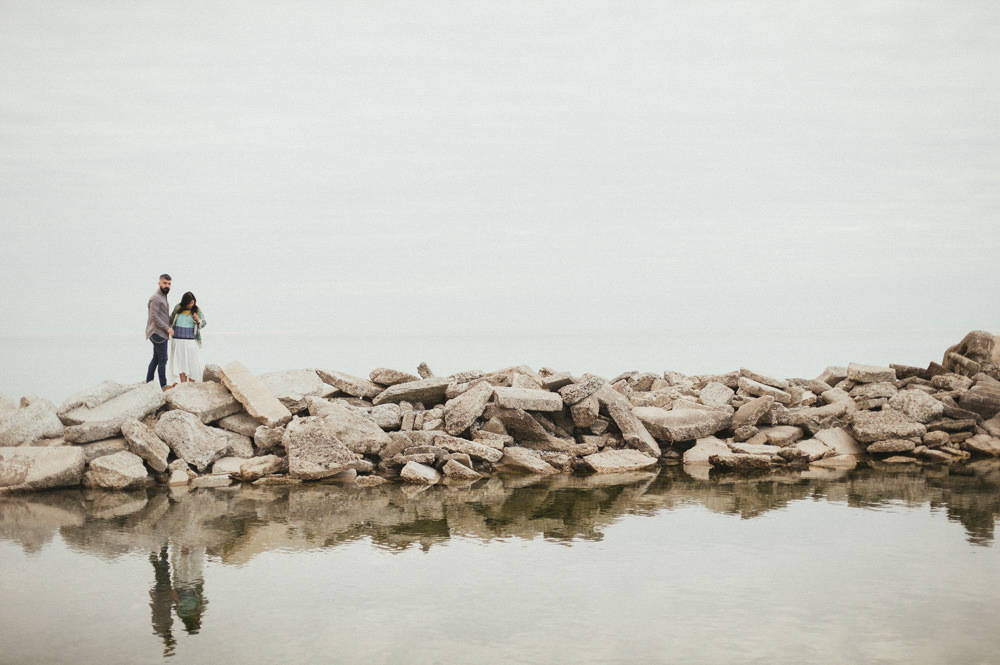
(182,327)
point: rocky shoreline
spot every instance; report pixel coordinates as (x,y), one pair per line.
(317,425)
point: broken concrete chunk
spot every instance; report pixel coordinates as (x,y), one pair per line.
(209,401)
(352,385)
(29,468)
(859,373)
(523,460)
(144,442)
(619,461)
(585,387)
(122,470)
(254,395)
(759,389)
(462,411)
(527,399)
(774,382)
(430,391)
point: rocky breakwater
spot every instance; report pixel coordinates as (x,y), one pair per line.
(309,425)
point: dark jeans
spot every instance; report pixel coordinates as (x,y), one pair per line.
(159,361)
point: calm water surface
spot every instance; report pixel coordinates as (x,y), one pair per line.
(887,565)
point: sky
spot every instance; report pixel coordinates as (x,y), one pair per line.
(521,168)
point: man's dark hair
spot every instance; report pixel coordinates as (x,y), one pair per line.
(166,277)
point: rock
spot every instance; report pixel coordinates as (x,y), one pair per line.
(581,390)
(455,469)
(355,431)
(240,423)
(120,471)
(811,449)
(931,455)
(227,465)
(992,426)
(585,412)
(391,377)
(982,399)
(619,461)
(477,450)
(424,371)
(891,446)
(419,474)
(94,396)
(873,390)
(752,411)
(782,435)
(29,468)
(268,438)
(752,449)
(833,375)
(212,372)
(386,416)
(977,346)
(254,395)
(840,441)
(836,462)
(751,387)
(6,404)
(521,460)
(209,401)
(529,400)
(214,480)
(716,394)
(739,462)
(745,432)
(869,426)
(313,451)
(352,385)
(983,444)
(87,432)
(258,467)
(518,423)
(429,391)
(780,384)
(462,411)
(859,373)
(292,386)
(704,449)
(30,424)
(95,449)
(633,430)
(936,439)
(681,424)
(951,382)
(557,380)
(191,439)
(239,445)
(106,418)
(142,441)
(917,405)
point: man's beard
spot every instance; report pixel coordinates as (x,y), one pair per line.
(164,290)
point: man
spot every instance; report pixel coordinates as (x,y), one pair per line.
(158,330)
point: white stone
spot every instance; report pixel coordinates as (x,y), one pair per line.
(522,460)
(619,461)
(761,390)
(869,373)
(354,430)
(703,449)
(254,395)
(29,424)
(209,401)
(144,442)
(419,474)
(191,439)
(120,471)
(528,399)
(462,411)
(352,385)
(840,440)
(28,468)
(780,384)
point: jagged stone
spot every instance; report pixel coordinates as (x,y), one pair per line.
(95,449)
(936,439)
(120,471)
(780,384)
(754,449)
(477,450)
(917,405)
(429,391)
(293,386)
(462,411)
(859,373)
(704,448)
(352,385)
(745,432)
(529,400)
(869,426)
(518,423)
(254,395)
(633,430)
(716,394)
(314,451)
(355,431)
(522,460)
(93,396)
(983,444)
(258,467)
(227,466)
(239,445)
(455,469)
(618,461)
(30,468)
(106,418)
(240,423)
(26,425)
(740,462)
(268,438)
(587,385)
(143,441)
(209,401)
(981,399)
(873,390)
(812,449)
(212,480)
(840,440)
(782,435)
(585,412)
(420,474)
(891,446)
(752,411)
(424,371)
(492,439)
(391,377)
(191,439)
(681,424)
(951,382)
(977,347)
(751,387)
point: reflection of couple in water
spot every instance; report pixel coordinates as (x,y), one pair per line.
(183,595)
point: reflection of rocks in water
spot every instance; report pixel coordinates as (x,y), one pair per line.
(235,524)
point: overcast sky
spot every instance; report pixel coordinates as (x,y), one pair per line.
(529,167)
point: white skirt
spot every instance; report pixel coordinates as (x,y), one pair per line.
(184,359)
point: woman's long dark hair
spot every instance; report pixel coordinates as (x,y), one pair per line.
(187,299)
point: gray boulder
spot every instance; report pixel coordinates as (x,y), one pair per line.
(419,474)
(241,423)
(983,444)
(917,405)
(458,471)
(756,388)
(352,385)
(191,439)
(632,428)
(29,424)
(391,377)
(29,468)
(859,373)
(780,384)
(455,444)
(704,449)
(522,460)
(94,396)
(209,401)
(894,445)
(462,411)
(120,471)
(716,394)
(619,461)
(871,426)
(752,411)
(528,399)
(144,442)
(292,386)
(681,424)
(354,430)
(983,399)
(105,419)
(266,465)
(254,395)
(582,389)
(314,451)
(428,391)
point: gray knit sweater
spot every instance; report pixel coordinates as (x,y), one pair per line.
(158,320)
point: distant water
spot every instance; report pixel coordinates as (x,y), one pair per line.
(55,367)
(893,565)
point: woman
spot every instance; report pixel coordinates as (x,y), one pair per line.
(187,320)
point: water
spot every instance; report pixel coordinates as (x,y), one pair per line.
(887,565)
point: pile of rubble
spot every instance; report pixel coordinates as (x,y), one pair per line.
(304,425)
